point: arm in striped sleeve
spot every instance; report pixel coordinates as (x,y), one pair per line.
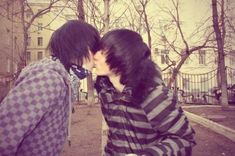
(172,126)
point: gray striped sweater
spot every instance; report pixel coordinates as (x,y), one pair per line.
(157,127)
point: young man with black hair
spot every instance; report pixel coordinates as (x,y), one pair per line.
(34,116)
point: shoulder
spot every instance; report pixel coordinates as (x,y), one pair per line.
(158,95)
(44,69)
(40,75)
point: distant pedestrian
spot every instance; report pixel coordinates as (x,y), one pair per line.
(34,115)
(142,114)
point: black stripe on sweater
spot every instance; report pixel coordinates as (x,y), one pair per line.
(156,101)
(126,126)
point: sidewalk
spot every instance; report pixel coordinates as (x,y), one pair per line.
(86,133)
(210,143)
(215,129)
(214,113)
(214,117)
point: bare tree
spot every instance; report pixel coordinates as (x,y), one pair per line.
(94,14)
(227,23)
(106,17)
(220,35)
(141,10)
(183,52)
(97,16)
(26,24)
(80,10)
(90,87)
(134,20)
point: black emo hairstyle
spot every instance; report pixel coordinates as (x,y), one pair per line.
(129,56)
(73,40)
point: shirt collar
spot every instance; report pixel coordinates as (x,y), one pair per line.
(110,94)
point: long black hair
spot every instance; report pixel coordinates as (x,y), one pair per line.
(129,56)
(73,40)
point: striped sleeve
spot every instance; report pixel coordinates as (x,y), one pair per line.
(168,120)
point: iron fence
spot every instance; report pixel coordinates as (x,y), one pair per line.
(202,88)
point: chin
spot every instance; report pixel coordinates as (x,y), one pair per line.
(100,74)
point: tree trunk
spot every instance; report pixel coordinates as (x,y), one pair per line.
(80,10)
(221,62)
(106,15)
(184,57)
(22,62)
(176,70)
(90,86)
(104,130)
(148,29)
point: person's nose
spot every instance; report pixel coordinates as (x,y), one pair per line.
(95,59)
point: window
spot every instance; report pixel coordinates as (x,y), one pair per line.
(8,10)
(8,37)
(8,65)
(15,42)
(204,84)
(216,60)
(40,26)
(28,14)
(232,60)
(167,59)
(40,41)
(156,51)
(185,83)
(29,41)
(186,61)
(233,78)
(70,17)
(40,55)
(28,56)
(164,57)
(166,80)
(15,67)
(202,56)
(39,11)
(139,7)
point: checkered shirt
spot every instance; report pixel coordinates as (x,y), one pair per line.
(34,115)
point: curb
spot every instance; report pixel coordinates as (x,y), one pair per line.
(218,128)
(201,106)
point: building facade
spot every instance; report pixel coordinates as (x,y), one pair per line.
(44,25)
(11,43)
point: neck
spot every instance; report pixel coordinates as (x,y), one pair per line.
(115,80)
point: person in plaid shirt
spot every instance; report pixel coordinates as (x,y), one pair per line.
(34,115)
(142,114)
